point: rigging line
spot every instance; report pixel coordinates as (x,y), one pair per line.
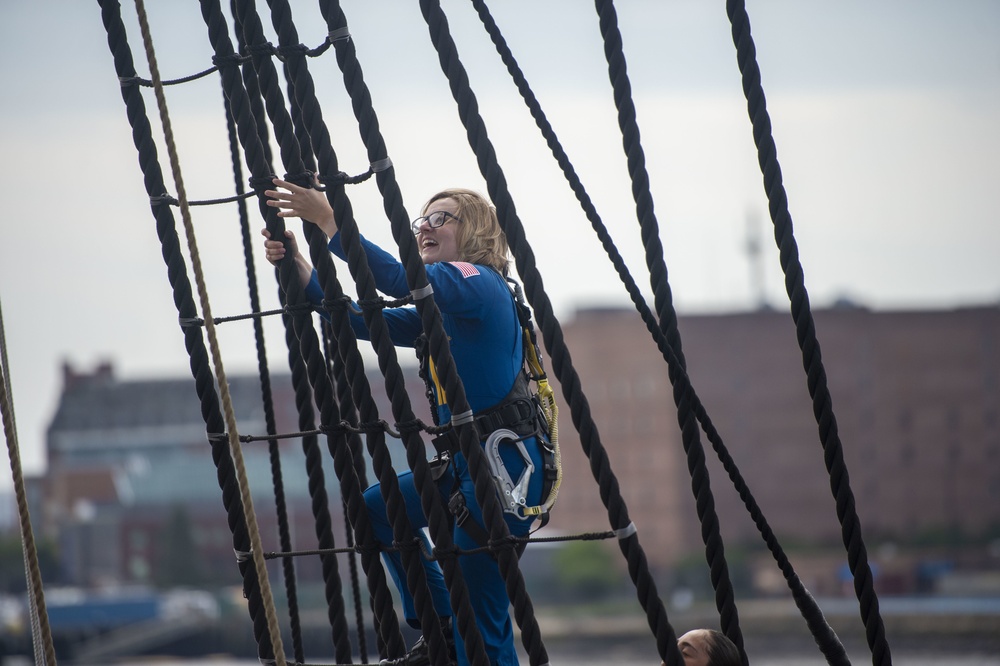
(148,83)
(827,638)
(234,443)
(432,556)
(819,392)
(41,634)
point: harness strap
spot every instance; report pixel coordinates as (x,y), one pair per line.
(463,518)
(551,475)
(523,412)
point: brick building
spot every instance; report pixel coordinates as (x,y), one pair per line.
(917,401)
(126,456)
(916,396)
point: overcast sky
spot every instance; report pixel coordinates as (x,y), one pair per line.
(884,114)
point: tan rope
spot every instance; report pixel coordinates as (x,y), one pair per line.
(257,549)
(41,634)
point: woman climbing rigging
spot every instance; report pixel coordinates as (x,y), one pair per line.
(466,260)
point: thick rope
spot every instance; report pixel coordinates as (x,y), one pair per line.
(323,520)
(41,633)
(257,549)
(291,152)
(826,638)
(430,317)
(805,328)
(551,331)
(699,411)
(178,278)
(255,156)
(700,485)
(344,398)
(274,456)
(438,520)
(333,591)
(348,410)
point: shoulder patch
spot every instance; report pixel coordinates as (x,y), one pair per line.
(465,268)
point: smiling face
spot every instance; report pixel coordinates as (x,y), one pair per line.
(694,647)
(440,244)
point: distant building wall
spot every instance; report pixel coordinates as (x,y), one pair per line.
(915,395)
(123,454)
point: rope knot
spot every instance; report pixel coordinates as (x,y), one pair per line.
(409,546)
(258,184)
(231,60)
(265,49)
(368,548)
(339,303)
(508,543)
(334,428)
(369,427)
(342,178)
(300,50)
(413,425)
(302,179)
(445,553)
(161,199)
(298,308)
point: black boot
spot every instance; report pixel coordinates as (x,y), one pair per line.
(420,653)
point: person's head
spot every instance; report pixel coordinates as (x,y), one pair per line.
(708,647)
(471,233)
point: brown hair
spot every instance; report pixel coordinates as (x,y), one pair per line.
(721,650)
(479,236)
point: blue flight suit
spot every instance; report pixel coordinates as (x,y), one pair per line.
(480,319)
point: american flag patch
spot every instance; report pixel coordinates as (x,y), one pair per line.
(467,269)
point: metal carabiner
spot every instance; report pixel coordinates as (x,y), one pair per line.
(513,495)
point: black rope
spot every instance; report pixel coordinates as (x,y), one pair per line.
(496,184)
(439,522)
(288,309)
(333,586)
(326,160)
(336,370)
(454,551)
(330,568)
(317,51)
(821,630)
(689,407)
(284,533)
(349,411)
(833,455)
(172,201)
(256,159)
(183,300)
(281,509)
(663,302)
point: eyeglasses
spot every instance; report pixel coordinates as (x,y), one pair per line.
(434,220)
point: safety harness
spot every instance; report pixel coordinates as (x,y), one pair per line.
(523,413)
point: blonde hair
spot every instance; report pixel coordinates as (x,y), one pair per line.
(479,236)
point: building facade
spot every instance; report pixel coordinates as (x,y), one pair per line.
(131,473)
(915,394)
(916,397)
